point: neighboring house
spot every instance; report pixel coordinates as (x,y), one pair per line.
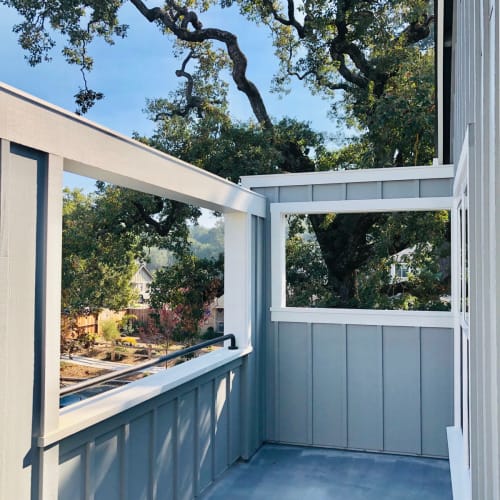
(215,315)
(400,267)
(141,281)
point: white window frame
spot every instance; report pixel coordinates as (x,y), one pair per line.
(281,312)
(460,309)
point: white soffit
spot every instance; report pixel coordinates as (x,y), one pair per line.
(95,151)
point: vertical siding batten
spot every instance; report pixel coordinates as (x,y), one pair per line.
(163,449)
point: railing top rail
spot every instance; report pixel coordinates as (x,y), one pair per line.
(86,384)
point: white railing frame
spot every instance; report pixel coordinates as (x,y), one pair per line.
(78,145)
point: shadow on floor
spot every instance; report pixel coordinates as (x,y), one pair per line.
(296,473)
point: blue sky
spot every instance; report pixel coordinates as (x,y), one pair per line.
(141,66)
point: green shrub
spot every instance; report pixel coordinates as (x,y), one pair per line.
(210,334)
(110,330)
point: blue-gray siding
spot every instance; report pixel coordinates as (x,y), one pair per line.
(350,386)
(414,188)
(172,446)
(362,387)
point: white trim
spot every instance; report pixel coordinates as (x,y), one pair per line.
(461,326)
(48,487)
(94,151)
(278,257)
(84,414)
(440,80)
(238,277)
(455,308)
(427,319)
(460,473)
(362,206)
(461,176)
(348,176)
(52,295)
(278,227)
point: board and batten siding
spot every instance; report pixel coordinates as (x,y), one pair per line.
(172,446)
(372,387)
(475,126)
(375,388)
(429,182)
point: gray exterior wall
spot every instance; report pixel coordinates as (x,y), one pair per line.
(418,188)
(172,446)
(373,388)
(253,375)
(476,108)
(377,388)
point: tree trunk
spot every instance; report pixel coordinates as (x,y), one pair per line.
(345,248)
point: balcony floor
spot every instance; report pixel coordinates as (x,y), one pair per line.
(291,472)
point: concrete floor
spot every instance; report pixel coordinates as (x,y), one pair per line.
(296,473)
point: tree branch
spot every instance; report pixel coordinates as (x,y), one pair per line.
(162,228)
(291,21)
(169,18)
(417,31)
(340,47)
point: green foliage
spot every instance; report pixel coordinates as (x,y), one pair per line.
(128,324)
(372,62)
(155,221)
(419,240)
(110,331)
(187,288)
(207,243)
(210,334)
(98,256)
(79,22)
(426,235)
(306,274)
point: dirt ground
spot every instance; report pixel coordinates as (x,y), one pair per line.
(131,355)
(71,370)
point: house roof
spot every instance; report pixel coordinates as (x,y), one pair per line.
(145,271)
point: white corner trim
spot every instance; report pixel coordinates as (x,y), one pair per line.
(238,277)
(440,80)
(278,258)
(461,177)
(84,414)
(460,473)
(424,319)
(348,176)
(51,295)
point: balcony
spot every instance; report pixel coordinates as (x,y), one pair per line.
(328,403)
(295,473)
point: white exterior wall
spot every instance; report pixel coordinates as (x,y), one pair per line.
(476,103)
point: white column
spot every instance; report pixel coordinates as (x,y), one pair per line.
(238,276)
(51,319)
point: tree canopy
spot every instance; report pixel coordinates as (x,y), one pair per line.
(97,264)
(371,61)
